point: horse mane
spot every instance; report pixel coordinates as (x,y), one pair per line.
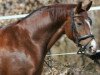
(58,10)
(53,8)
(55,12)
(34,11)
(28,15)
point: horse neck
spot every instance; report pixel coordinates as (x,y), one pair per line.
(43,24)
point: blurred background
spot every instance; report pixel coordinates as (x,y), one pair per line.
(65,64)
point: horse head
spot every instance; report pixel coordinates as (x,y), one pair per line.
(80,28)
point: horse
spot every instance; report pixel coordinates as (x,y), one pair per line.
(25,43)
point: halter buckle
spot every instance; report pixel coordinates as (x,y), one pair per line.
(81,50)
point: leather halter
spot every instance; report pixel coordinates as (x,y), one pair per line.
(77,38)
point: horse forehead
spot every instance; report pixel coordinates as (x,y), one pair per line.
(84,15)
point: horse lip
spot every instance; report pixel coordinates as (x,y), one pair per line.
(89,52)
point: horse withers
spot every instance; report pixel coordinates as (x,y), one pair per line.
(25,43)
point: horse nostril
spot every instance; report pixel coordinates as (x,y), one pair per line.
(90,47)
(92,50)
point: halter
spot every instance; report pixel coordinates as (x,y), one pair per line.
(77,38)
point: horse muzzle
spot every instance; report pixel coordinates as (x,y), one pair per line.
(93,46)
(90,47)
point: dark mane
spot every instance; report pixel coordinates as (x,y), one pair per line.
(59,9)
(53,8)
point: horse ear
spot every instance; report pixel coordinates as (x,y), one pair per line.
(79,8)
(87,7)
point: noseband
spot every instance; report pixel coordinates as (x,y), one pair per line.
(82,49)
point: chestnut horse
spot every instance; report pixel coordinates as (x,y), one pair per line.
(25,43)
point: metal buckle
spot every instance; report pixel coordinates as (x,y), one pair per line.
(81,50)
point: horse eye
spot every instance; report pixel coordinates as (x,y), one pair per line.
(79,23)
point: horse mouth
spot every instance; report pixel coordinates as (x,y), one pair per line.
(90,51)
(87,51)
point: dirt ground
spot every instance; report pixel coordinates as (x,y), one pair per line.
(54,67)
